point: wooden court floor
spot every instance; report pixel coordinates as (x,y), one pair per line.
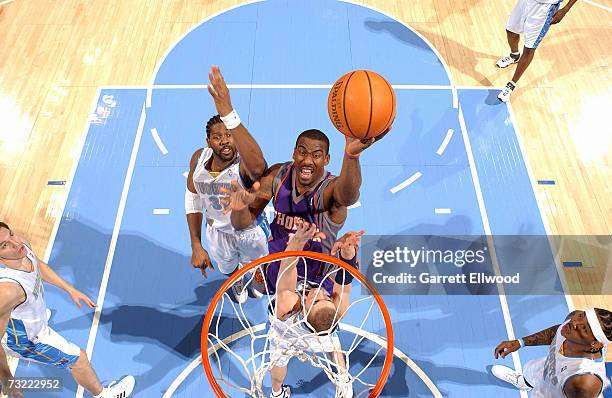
(54,55)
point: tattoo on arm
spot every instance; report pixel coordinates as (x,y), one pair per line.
(544,337)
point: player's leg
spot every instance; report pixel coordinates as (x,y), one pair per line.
(279,390)
(523,63)
(252,245)
(344,384)
(85,376)
(514,27)
(50,348)
(224,251)
(71,356)
(513,41)
(537,23)
(515,55)
(536,26)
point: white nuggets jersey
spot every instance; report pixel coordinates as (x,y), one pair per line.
(209,189)
(33,311)
(548,375)
(291,336)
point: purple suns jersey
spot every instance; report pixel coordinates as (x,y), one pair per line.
(309,206)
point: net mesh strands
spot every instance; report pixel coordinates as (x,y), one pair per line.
(242,342)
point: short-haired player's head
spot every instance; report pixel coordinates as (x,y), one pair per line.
(219,139)
(11,247)
(321,310)
(578,330)
(310,156)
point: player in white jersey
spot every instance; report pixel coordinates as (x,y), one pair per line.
(23,320)
(232,155)
(532,18)
(575,364)
(306,315)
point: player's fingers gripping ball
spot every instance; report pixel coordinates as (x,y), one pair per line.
(362,104)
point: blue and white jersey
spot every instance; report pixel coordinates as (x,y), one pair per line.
(549,374)
(209,189)
(33,311)
(208,186)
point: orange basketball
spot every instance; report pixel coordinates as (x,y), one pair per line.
(361,104)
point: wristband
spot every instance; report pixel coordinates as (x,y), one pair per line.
(343,277)
(521,342)
(231,120)
(193,202)
(350,155)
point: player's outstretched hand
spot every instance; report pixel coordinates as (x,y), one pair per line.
(347,244)
(237,198)
(219,91)
(354,146)
(200,259)
(506,347)
(78,296)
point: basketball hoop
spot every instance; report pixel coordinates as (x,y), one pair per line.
(227,349)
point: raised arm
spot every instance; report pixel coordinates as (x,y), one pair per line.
(252,162)
(344,190)
(246,205)
(11,295)
(543,337)
(347,246)
(49,275)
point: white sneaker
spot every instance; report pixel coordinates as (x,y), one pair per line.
(119,389)
(285,393)
(240,293)
(511,376)
(508,60)
(504,95)
(344,386)
(257,287)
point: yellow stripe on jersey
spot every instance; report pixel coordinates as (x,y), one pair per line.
(26,348)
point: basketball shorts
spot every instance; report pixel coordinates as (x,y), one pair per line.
(48,347)
(532,18)
(228,250)
(289,339)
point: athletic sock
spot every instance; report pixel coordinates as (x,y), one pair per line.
(277,393)
(515,55)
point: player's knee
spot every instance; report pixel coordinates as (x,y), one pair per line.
(527,51)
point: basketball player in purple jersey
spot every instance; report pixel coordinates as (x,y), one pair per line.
(303,189)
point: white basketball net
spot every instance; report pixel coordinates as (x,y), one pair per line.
(272,342)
